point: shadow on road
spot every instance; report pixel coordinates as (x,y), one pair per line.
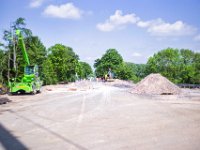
(50,131)
(9,141)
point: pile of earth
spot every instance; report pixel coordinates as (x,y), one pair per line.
(156,84)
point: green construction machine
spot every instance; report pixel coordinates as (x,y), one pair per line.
(30,82)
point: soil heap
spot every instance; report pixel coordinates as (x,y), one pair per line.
(156,84)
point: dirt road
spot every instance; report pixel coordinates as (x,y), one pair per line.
(103,118)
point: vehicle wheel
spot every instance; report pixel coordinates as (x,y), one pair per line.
(38,91)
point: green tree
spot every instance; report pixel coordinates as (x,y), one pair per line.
(180,66)
(19,23)
(124,72)
(49,75)
(65,62)
(86,70)
(138,71)
(196,78)
(3,66)
(166,62)
(35,49)
(111,59)
(187,72)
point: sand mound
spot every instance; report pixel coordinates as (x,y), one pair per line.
(156,84)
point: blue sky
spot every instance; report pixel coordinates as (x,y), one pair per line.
(136,28)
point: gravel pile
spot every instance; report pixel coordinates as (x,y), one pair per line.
(156,84)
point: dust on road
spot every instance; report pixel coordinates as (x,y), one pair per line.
(100,118)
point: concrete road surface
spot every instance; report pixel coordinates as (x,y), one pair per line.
(103,118)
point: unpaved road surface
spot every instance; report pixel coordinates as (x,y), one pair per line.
(103,118)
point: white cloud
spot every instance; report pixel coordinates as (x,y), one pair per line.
(197,38)
(36,3)
(65,11)
(136,54)
(117,21)
(159,27)
(146,24)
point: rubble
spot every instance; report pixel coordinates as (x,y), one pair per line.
(4,100)
(156,84)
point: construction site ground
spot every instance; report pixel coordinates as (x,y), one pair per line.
(100,116)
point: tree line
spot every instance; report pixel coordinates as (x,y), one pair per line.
(60,63)
(179,66)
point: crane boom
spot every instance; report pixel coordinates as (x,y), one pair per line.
(23,48)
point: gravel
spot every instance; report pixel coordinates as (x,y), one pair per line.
(156,84)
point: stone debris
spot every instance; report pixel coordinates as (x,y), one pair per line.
(156,84)
(4,100)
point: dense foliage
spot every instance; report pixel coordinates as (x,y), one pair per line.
(86,70)
(64,62)
(180,66)
(138,71)
(3,66)
(114,61)
(122,70)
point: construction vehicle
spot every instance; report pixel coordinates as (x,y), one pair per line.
(30,82)
(109,76)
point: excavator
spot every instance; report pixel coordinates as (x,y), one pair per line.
(30,82)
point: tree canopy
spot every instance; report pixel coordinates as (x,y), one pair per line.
(122,70)
(180,66)
(111,59)
(86,70)
(65,62)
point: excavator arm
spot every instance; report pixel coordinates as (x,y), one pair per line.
(22,46)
